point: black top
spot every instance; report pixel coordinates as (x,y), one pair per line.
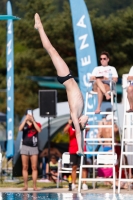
(30,135)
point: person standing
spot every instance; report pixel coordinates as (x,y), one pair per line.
(130,90)
(74,158)
(29,150)
(101,76)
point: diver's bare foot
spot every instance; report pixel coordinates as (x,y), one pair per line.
(24,189)
(107,96)
(38,23)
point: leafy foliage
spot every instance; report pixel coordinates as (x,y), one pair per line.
(116,37)
(105,7)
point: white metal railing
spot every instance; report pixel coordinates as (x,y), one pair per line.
(93,141)
(127,139)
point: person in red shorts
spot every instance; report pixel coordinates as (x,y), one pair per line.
(29,150)
(74,158)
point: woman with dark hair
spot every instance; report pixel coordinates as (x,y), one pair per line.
(29,150)
(64,76)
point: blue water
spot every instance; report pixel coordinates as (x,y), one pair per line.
(64,196)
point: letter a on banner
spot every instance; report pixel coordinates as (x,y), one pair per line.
(10,84)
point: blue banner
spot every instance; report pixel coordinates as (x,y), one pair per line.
(84,43)
(86,59)
(10,84)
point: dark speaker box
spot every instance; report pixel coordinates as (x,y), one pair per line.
(47,103)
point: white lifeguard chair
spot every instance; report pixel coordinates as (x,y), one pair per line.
(127,139)
(110,157)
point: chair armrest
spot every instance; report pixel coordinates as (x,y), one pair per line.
(124,86)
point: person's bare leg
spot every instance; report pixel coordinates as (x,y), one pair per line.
(47,168)
(55,176)
(100,99)
(74,168)
(102,88)
(25,162)
(84,174)
(60,65)
(34,161)
(130,96)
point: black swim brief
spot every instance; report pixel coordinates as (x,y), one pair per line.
(64,78)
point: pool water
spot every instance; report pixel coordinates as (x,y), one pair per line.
(64,196)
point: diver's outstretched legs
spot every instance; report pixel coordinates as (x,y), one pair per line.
(60,65)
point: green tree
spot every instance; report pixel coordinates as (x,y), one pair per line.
(105,7)
(114,34)
(30,57)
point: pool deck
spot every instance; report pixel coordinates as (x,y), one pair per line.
(65,190)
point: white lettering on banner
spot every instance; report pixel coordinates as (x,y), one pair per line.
(86,61)
(10,28)
(92,119)
(9,65)
(93,133)
(91,106)
(81,22)
(83,45)
(9,98)
(8,108)
(10,135)
(9,47)
(9,83)
(10,120)
(86,79)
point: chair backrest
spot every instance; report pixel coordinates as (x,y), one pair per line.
(65,158)
(107,159)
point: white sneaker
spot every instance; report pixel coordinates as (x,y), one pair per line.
(84,186)
(73,186)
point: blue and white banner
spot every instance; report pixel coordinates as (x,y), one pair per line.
(10,84)
(86,58)
(84,43)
